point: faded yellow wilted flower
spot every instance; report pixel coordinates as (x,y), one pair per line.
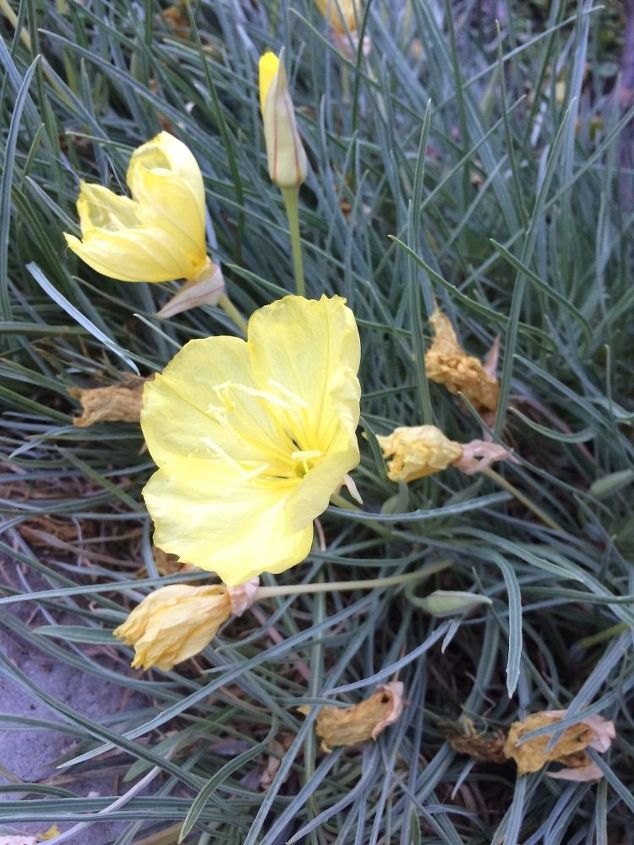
(174,623)
(342,15)
(416,451)
(363,721)
(447,363)
(157,234)
(533,754)
(284,149)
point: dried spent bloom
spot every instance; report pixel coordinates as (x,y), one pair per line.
(533,754)
(284,148)
(447,363)
(366,720)
(157,234)
(416,451)
(115,403)
(253,437)
(174,623)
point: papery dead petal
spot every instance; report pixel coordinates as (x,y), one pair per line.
(345,726)
(116,403)
(204,289)
(447,363)
(533,754)
(491,360)
(580,774)
(242,596)
(478,455)
(604,732)
(351,487)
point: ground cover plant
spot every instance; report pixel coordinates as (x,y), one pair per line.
(453,162)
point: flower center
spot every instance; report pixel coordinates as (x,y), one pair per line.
(285,409)
(305,460)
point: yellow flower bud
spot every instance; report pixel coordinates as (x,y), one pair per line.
(284,149)
(174,623)
(158,234)
(417,451)
(342,15)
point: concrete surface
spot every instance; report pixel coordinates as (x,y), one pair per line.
(32,755)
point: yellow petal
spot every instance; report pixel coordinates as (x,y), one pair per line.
(311,497)
(196,386)
(213,516)
(165,180)
(269,64)
(284,149)
(133,255)
(322,382)
(100,208)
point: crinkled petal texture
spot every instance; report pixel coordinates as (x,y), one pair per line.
(159,234)
(252,438)
(174,623)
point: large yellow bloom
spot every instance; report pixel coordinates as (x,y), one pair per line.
(253,437)
(158,235)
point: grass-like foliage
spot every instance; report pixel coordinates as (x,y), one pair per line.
(452,162)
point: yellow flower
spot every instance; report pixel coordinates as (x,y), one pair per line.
(284,149)
(253,437)
(174,623)
(417,451)
(342,15)
(447,363)
(159,234)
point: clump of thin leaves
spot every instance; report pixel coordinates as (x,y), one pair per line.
(454,162)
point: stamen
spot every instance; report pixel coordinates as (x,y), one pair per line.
(305,457)
(271,398)
(224,456)
(297,400)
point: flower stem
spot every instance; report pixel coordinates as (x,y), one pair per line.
(602,636)
(231,311)
(510,488)
(291,201)
(367,584)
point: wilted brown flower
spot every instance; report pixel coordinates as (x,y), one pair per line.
(363,721)
(533,754)
(447,363)
(116,403)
